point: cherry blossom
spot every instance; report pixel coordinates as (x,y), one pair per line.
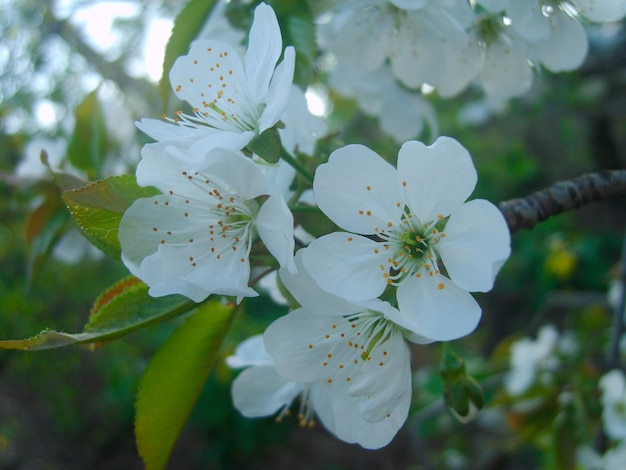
(194,239)
(232,100)
(411,229)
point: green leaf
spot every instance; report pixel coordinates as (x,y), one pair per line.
(122,309)
(187,26)
(170,386)
(98,208)
(266,145)
(87,146)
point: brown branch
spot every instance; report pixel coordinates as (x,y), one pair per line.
(561,197)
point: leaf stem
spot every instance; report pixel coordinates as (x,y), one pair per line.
(295,164)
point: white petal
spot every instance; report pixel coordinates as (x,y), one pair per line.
(162,166)
(299,343)
(506,72)
(212,139)
(463,62)
(264,47)
(566,47)
(437,178)
(382,380)
(235,173)
(250,352)
(346,265)
(310,296)
(212,75)
(417,56)
(274,223)
(165,131)
(261,391)
(170,271)
(436,308)
(602,10)
(362,38)
(348,424)
(476,245)
(278,95)
(528,20)
(358,190)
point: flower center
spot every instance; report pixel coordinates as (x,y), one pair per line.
(412,249)
(228,219)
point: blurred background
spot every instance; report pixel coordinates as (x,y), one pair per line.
(72,68)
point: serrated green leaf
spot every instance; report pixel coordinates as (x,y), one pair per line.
(187,26)
(170,386)
(121,309)
(98,208)
(87,146)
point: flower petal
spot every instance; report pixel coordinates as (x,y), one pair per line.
(382,380)
(250,352)
(310,296)
(235,173)
(261,391)
(434,307)
(348,424)
(299,343)
(264,47)
(274,223)
(476,245)
(437,178)
(212,76)
(358,190)
(566,47)
(279,91)
(346,265)
(166,131)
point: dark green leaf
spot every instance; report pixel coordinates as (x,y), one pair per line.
(98,208)
(170,386)
(187,26)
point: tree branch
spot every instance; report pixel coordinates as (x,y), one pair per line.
(561,197)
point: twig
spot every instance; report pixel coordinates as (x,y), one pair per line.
(561,197)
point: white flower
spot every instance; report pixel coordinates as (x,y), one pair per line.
(413,220)
(530,357)
(231,100)
(260,391)
(194,239)
(357,352)
(613,386)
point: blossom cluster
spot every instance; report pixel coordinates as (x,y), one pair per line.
(406,46)
(410,250)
